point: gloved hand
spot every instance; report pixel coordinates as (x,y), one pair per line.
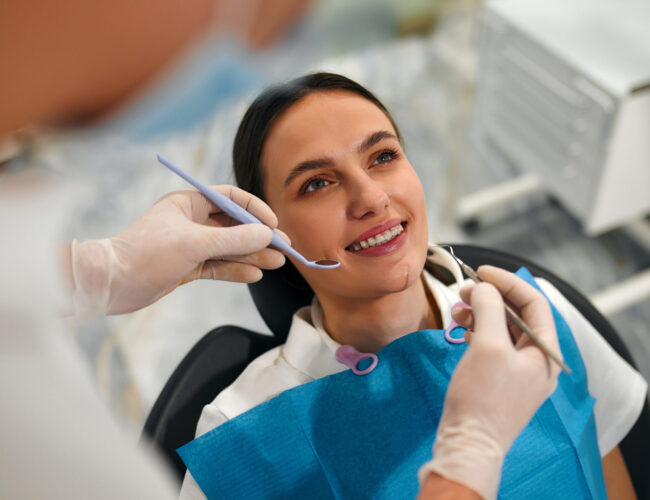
(181,238)
(497,387)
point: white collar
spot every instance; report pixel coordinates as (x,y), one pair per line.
(311,350)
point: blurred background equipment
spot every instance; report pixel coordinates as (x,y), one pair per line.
(564,93)
(563,97)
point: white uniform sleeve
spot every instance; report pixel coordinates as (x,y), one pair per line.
(619,390)
(57,438)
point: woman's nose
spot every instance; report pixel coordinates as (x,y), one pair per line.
(367,197)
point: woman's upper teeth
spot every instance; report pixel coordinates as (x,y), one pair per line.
(379,239)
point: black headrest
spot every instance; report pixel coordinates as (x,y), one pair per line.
(278,295)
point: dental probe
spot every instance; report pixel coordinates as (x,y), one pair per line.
(515,318)
(242,215)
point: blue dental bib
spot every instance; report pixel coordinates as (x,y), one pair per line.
(348,436)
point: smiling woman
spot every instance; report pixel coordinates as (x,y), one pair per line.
(327,157)
(335,173)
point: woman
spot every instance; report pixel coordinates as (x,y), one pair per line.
(326,156)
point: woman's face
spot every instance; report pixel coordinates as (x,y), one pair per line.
(337,178)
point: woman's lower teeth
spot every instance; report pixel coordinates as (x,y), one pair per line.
(379,239)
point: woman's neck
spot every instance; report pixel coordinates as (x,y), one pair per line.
(371,324)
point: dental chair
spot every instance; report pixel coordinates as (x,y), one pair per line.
(223,353)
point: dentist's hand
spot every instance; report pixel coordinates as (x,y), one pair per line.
(497,387)
(181,238)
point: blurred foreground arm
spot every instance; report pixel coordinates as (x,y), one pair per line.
(181,238)
(496,388)
(73,59)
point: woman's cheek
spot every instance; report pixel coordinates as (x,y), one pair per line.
(307,231)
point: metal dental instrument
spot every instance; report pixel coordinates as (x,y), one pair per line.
(513,316)
(245,217)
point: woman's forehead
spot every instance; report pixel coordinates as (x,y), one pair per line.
(324,123)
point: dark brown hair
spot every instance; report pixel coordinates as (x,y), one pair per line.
(268,107)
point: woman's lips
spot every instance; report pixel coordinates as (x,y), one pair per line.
(373,246)
(378,229)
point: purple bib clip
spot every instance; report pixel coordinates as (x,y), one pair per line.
(351,358)
(453,325)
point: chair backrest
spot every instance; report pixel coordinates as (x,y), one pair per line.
(217,359)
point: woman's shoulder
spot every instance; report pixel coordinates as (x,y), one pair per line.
(264,378)
(618,388)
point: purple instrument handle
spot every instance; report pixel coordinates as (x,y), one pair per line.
(453,325)
(351,358)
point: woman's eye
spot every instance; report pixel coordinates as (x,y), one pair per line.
(385,157)
(315,185)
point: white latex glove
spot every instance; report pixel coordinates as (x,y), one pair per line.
(497,387)
(181,238)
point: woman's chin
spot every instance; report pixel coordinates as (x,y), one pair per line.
(396,280)
(369,277)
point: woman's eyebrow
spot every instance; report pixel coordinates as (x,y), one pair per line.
(305,166)
(373,139)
